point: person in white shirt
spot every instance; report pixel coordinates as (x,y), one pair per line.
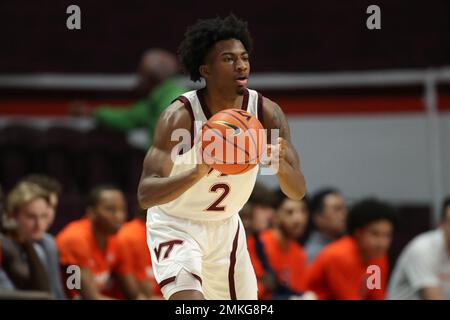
(423,268)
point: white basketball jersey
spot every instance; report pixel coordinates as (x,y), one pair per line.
(216,196)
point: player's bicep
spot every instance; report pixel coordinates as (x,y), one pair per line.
(158,161)
(275,119)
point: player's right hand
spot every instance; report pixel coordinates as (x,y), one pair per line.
(202,169)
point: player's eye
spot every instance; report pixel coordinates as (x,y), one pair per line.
(245,58)
(228,59)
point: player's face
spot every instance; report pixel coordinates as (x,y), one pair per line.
(53,204)
(375,239)
(262,217)
(292,218)
(32,220)
(228,66)
(332,218)
(110,212)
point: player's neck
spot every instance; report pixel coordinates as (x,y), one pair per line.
(283,239)
(217,100)
(99,237)
(365,258)
(328,235)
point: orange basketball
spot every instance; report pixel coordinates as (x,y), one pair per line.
(233,141)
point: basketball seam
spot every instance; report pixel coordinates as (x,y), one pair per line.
(254,143)
(226,140)
(242,122)
(221,161)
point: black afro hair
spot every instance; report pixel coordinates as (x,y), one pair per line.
(368,211)
(202,36)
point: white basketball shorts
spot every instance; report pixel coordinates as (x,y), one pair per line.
(213,253)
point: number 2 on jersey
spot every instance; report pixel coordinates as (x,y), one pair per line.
(224,189)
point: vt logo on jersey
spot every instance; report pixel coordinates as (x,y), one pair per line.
(236,129)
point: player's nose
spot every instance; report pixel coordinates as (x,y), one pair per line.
(241,65)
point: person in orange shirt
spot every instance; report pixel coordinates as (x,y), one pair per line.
(257,215)
(91,244)
(278,252)
(246,215)
(355,267)
(132,242)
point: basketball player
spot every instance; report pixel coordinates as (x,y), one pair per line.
(194,233)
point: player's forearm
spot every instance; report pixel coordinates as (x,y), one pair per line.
(154,191)
(292,182)
(129,286)
(88,290)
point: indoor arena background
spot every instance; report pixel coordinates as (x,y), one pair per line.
(369,110)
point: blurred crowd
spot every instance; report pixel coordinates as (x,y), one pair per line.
(317,248)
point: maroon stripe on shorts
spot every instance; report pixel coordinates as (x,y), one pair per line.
(197,277)
(232,266)
(166,281)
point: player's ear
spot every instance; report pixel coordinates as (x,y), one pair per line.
(204,71)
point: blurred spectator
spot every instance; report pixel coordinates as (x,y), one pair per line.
(423,268)
(262,202)
(278,253)
(132,241)
(247,220)
(52,186)
(328,213)
(340,271)
(5,282)
(157,89)
(46,246)
(246,215)
(91,244)
(257,215)
(28,207)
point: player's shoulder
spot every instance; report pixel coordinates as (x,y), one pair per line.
(74,231)
(268,235)
(272,113)
(176,115)
(131,229)
(339,251)
(425,243)
(268,239)
(269,104)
